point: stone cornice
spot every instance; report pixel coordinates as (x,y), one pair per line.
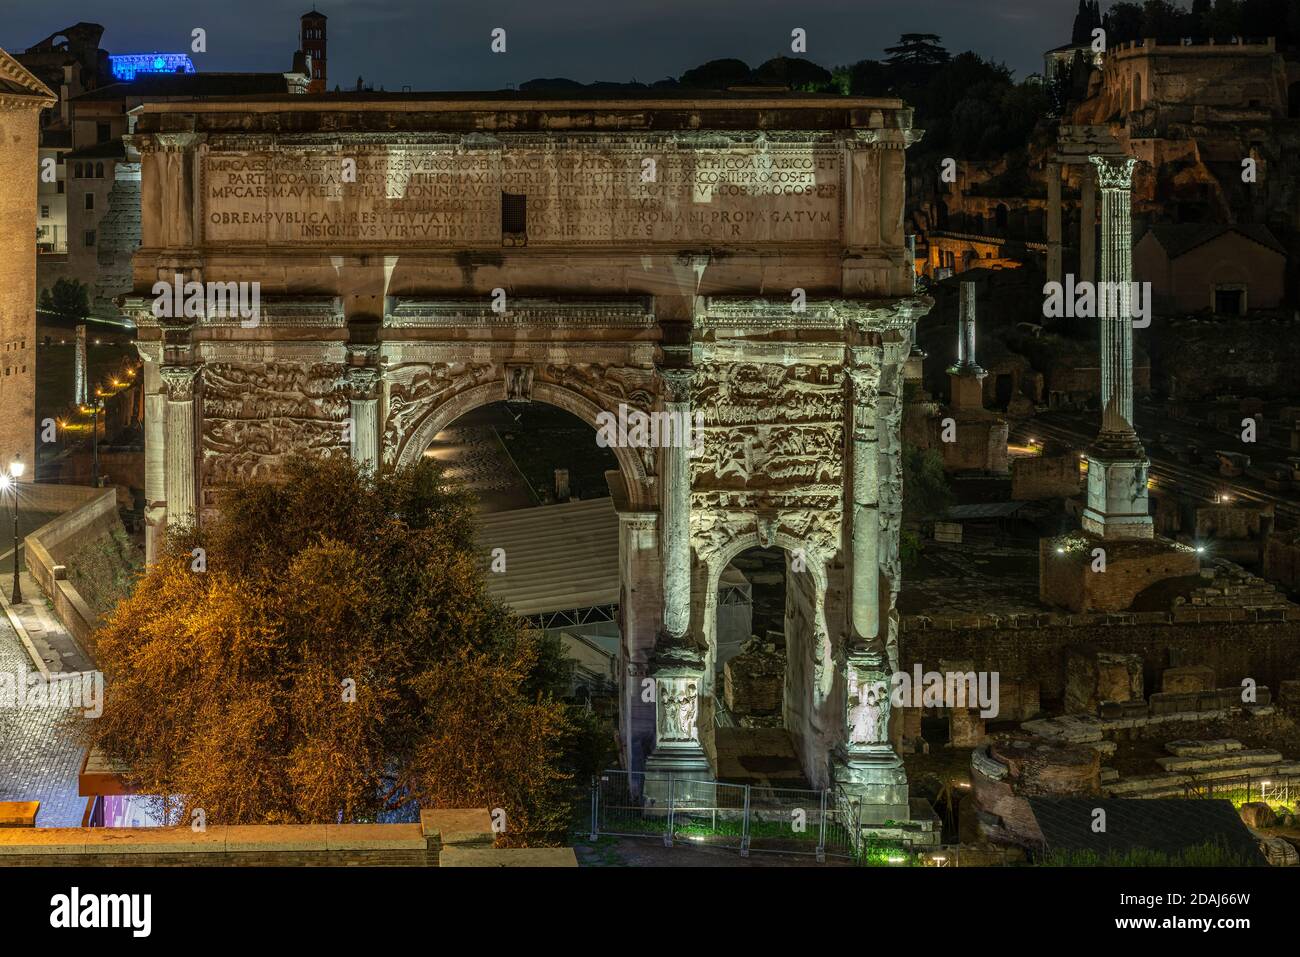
(637,313)
(615,140)
(323,312)
(877,315)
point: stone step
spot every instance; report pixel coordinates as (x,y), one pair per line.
(1108,775)
(1139,783)
(1187,747)
(1213,762)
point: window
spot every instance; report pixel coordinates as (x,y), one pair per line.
(60,185)
(76,171)
(45,212)
(102,132)
(90,237)
(514,219)
(90,201)
(1230,301)
(99,170)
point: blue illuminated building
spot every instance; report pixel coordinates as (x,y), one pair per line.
(127,65)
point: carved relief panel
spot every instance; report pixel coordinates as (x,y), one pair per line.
(255,414)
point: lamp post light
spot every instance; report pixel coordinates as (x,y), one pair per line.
(94,439)
(10,481)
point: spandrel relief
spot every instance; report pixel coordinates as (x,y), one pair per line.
(415,388)
(257,415)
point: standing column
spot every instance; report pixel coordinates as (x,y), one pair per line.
(677,508)
(1117,464)
(865,529)
(866,766)
(178,382)
(966,378)
(155,448)
(1053,222)
(1088,226)
(1114,307)
(363,402)
(80,385)
(678,663)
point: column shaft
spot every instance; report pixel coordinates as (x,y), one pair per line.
(180,445)
(677,522)
(865,530)
(1113,296)
(1054,222)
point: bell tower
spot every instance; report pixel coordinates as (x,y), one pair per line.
(312,43)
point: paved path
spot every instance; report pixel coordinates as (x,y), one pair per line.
(38,759)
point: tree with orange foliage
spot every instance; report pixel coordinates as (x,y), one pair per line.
(326,651)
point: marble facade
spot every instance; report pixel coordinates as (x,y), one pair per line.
(741,256)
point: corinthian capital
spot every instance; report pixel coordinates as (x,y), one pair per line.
(677,383)
(362,382)
(864,382)
(178,381)
(1114,173)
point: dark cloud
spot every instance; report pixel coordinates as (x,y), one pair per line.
(445,45)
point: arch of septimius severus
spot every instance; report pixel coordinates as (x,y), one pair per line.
(740,256)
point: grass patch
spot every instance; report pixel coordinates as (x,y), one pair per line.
(1207,854)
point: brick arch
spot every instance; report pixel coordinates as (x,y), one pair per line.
(445,413)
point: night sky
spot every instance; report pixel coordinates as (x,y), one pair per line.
(432,45)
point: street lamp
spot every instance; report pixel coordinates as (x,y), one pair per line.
(94,439)
(10,481)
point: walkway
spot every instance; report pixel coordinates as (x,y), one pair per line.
(39,760)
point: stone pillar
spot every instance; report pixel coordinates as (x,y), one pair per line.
(1088,226)
(1117,464)
(678,663)
(640,605)
(676,534)
(1113,304)
(966,378)
(181,450)
(865,528)
(363,401)
(81,373)
(1053,222)
(155,442)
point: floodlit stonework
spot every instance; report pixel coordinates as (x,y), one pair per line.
(22,97)
(738,255)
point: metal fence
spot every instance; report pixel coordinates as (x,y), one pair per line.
(687,809)
(1271,789)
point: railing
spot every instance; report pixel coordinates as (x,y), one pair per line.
(682,808)
(1270,789)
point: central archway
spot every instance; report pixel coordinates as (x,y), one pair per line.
(633,468)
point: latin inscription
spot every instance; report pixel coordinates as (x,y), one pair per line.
(431,196)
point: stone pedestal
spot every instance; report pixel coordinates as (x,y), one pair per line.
(1117,493)
(867,767)
(966,390)
(677,670)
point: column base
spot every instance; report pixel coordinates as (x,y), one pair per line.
(1117,497)
(875,782)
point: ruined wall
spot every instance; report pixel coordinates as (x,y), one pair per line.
(1267,651)
(1039,477)
(1069,581)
